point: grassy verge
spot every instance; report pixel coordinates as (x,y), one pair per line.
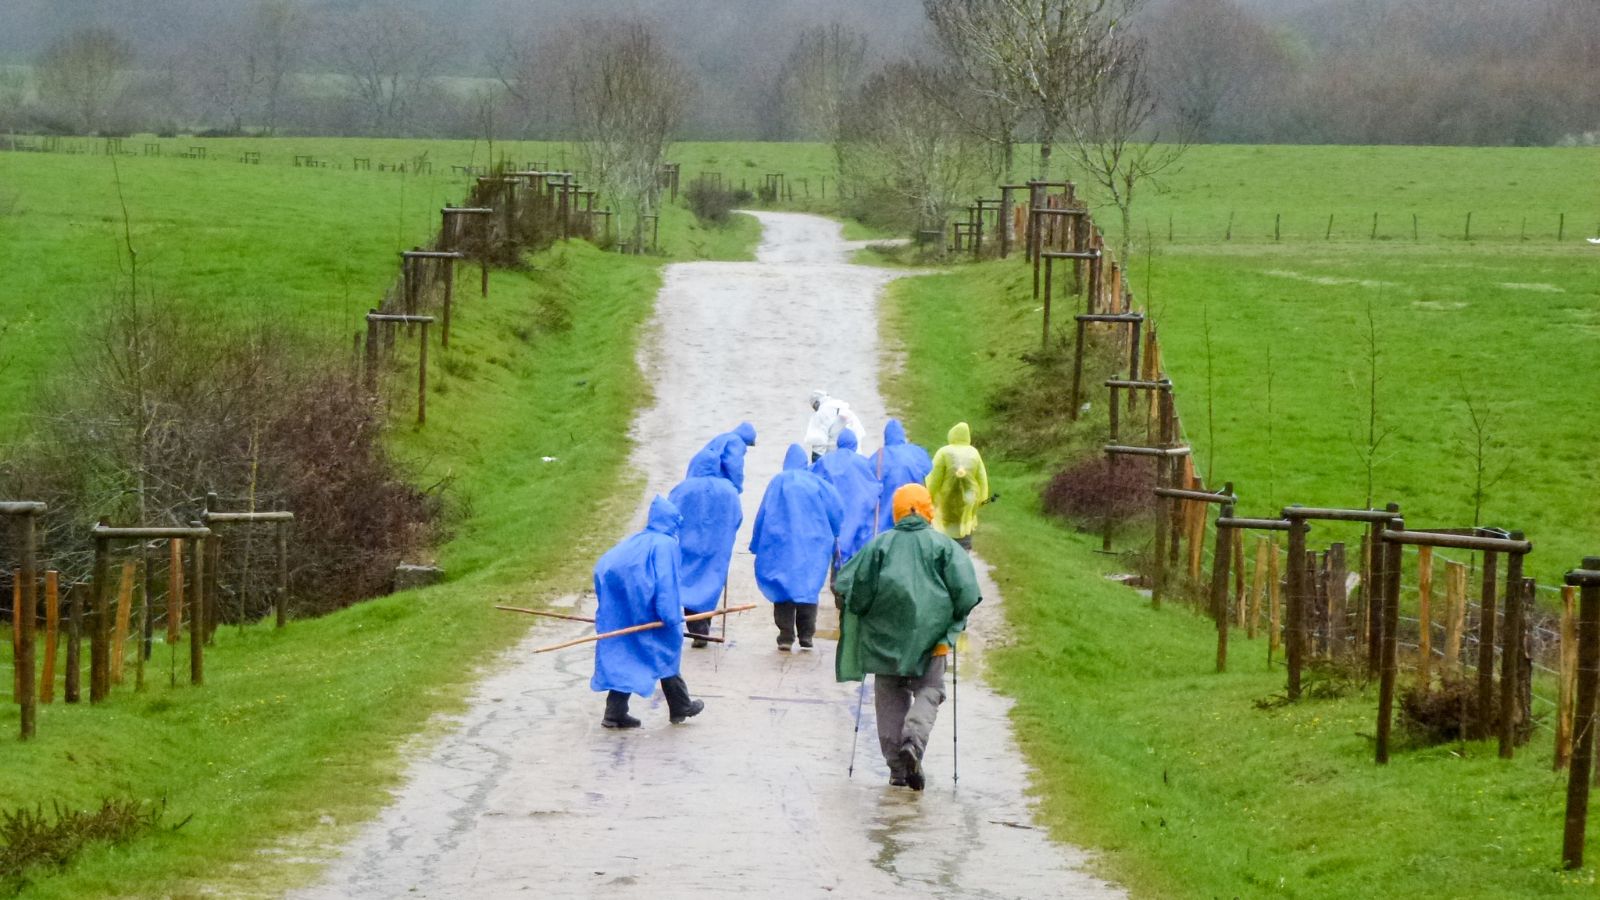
(299,734)
(1169,771)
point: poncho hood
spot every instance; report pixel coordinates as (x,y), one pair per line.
(664,517)
(796,458)
(960,433)
(894,434)
(847,440)
(747,432)
(704,466)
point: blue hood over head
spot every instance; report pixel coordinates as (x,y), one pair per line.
(664,517)
(635,583)
(796,531)
(847,440)
(796,458)
(894,434)
(747,432)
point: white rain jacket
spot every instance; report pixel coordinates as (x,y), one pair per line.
(832,416)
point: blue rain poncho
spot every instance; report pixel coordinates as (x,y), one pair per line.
(795,532)
(637,583)
(727,450)
(898,463)
(852,475)
(711,519)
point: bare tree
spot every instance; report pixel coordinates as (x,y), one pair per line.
(1039,58)
(1109,139)
(897,139)
(629,95)
(83,73)
(1213,59)
(389,57)
(278,39)
(1478,441)
(824,68)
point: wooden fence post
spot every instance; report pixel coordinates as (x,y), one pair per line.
(99,684)
(1258,585)
(1337,597)
(1425,615)
(1486,629)
(1296,611)
(52,628)
(1511,653)
(197,611)
(1221,556)
(1455,591)
(1568,677)
(1588,580)
(1393,562)
(1275,602)
(119,634)
(74,675)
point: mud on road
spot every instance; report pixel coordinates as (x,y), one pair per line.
(528,796)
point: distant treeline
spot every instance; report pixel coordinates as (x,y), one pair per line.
(1283,71)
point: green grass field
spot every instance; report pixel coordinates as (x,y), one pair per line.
(1171,772)
(298,735)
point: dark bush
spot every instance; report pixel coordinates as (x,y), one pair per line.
(144,429)
(710,204)
(1447,712)
(30,838)
(1090,491)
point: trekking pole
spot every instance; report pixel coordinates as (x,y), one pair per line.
(861,700)
(955,716)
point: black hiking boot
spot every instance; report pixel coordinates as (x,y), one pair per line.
(692,710)
(897,780)
(805,644)
(617,712)
(913,768)
(698,643)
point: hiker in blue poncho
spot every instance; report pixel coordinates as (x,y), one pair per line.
(852,476)
(727,449)
(637,583)
(711,518)
(796,533)
(896,464)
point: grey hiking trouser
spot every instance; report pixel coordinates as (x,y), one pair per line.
(906,709)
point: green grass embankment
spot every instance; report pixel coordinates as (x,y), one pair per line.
(299,734)
(1141,752)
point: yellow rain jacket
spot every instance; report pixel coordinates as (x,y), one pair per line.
(959,484)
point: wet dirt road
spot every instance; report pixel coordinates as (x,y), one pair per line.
(530,797)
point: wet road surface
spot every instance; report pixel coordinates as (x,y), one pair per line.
(529,797)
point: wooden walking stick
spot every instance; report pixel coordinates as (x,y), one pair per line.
(635,629)
(552,615)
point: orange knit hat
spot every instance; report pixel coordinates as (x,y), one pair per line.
(912,498)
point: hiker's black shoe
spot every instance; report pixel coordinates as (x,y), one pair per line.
(897,780)
(699,643)
(693,710)
(913,767)
(620,722)
(784,648)
(805,645)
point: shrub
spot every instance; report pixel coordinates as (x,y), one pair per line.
(1090,492)
(709,203)
(31,838)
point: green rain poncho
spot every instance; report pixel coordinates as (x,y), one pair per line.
(959,484)
(907,591)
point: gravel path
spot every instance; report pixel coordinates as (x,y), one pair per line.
(529,797)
